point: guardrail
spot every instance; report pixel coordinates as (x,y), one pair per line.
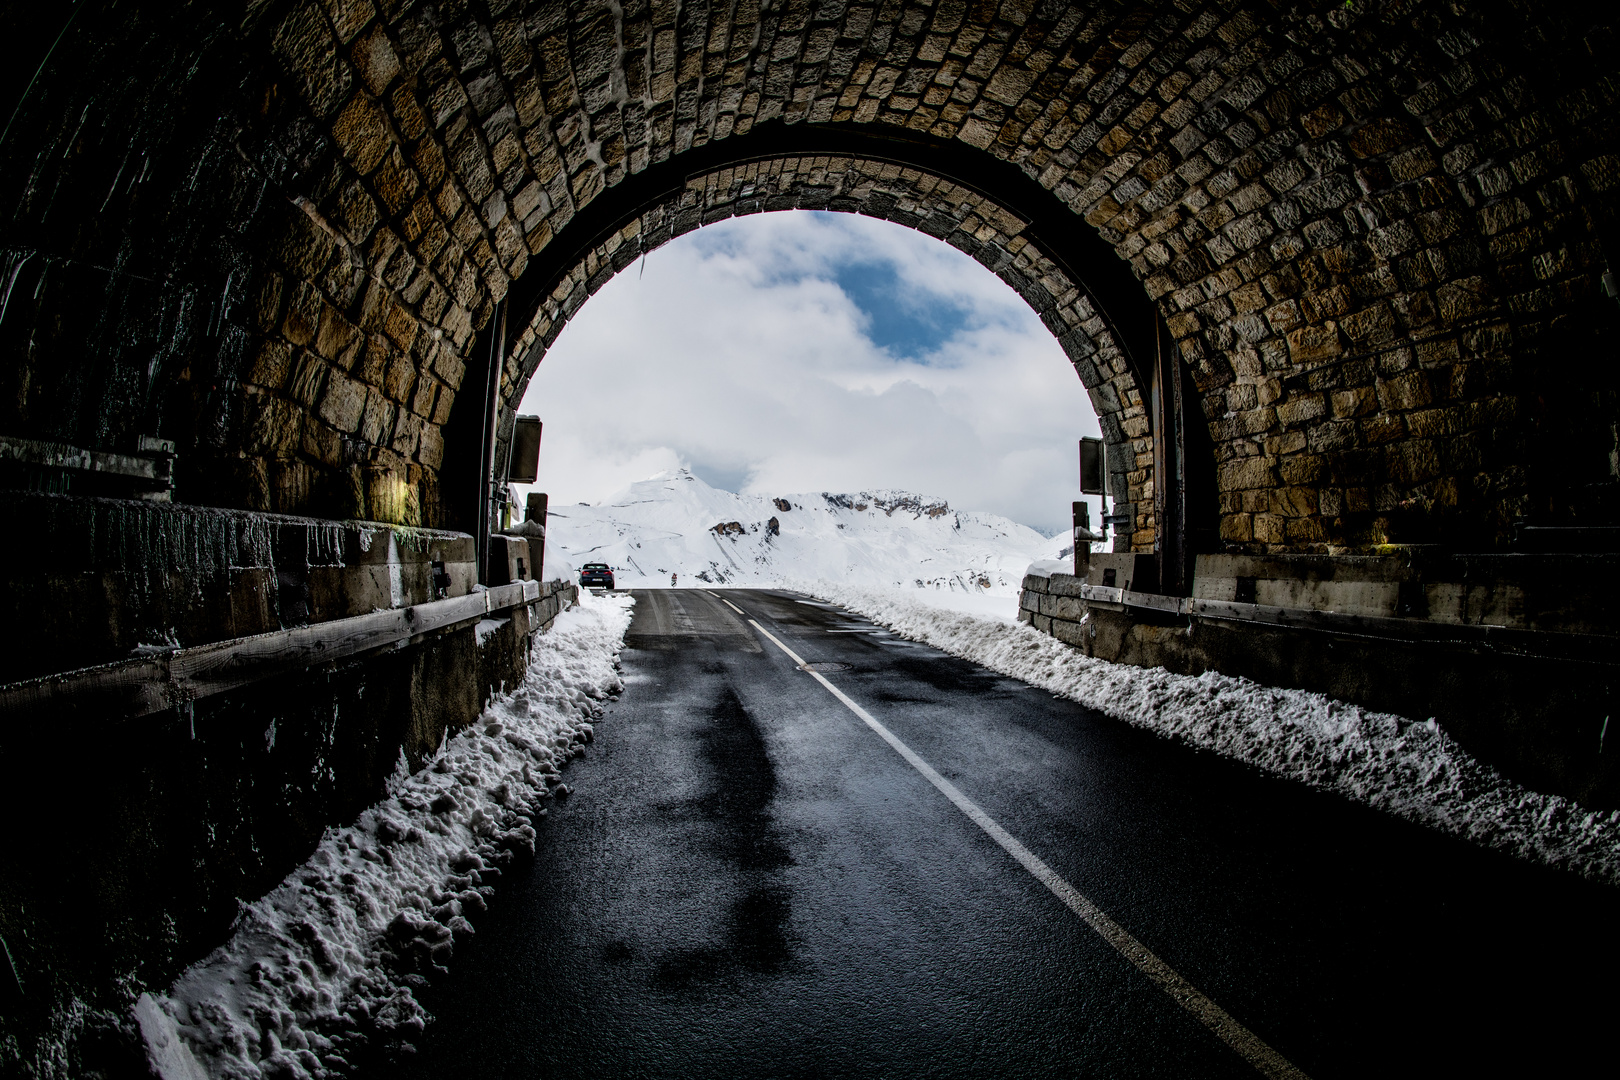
(150,467)
(1588,648)
(148,684)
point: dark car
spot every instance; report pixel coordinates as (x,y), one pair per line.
(596,575)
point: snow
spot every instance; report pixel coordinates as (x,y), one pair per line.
(895,539)
(1405,767)
(988,605)
(329,959)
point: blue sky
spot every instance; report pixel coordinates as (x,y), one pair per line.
(908,323)
(803,351)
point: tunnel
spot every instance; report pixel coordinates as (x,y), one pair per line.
(274,275)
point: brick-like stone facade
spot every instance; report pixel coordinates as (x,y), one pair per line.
(1374,232)
(955,214)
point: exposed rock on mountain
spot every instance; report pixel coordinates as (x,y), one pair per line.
(675,523)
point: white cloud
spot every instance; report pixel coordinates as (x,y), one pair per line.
(738,352)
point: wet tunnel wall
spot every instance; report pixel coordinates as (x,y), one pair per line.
(273,232)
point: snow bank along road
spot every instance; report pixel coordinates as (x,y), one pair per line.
(320,972)
(913,866)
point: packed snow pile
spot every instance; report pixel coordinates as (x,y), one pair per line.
(327,962)
(675,523)
(1409,768)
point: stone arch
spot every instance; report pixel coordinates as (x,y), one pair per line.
(919,198)
(1374,233)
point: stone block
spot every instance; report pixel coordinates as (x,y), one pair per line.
(1065,584)
(362,133)
(1070,633)
(1063,607)
(269,365)
(342,402)
(509,560)
(1379,137)
(1300,408)
(1311,344)
(1355,402)
(1463,299)
(1413,390)
(349,16)
(305,44)
(1270,529)
(307,382)
(1252,472)
(1294,501)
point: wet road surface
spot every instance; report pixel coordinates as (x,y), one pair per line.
(750,882)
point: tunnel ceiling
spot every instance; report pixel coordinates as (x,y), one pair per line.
(277,233)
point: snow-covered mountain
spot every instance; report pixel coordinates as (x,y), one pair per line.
(676,523)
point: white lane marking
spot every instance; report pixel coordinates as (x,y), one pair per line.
(728,604)
(1249,1045)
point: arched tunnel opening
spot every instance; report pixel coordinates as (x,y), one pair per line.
(1151,414)
(1337,278)
(803,352)
(1146,416)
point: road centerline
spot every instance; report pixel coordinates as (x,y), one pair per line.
(1222,1024)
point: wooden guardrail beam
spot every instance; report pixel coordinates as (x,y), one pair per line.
(148,684)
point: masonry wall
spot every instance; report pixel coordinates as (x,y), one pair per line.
(96,580)
(137,841)
(1375,233)
(1515,663)
(136,835)
(951,211)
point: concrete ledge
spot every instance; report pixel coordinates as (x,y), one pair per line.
(139,687)
(160,826)
(1526,698)
(1569,594)
(92,580)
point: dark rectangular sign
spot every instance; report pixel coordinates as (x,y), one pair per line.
(525,450)
(1093,480)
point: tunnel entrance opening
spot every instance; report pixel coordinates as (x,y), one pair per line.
(808,351)
(1162,481)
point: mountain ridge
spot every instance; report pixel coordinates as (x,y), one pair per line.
(675,523)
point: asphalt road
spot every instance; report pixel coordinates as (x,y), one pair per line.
(749,881)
